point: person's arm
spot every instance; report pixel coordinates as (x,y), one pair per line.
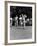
(25,16)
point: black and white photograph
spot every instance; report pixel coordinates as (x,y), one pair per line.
(21,22)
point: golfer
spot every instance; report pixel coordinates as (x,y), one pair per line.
(24,21)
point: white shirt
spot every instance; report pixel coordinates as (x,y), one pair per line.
(16,18)
(20,18)
(10,18)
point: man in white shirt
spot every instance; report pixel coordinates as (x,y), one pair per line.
(20,18)
(16,20)
(24,21)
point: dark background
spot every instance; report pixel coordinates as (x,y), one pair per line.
(18,10)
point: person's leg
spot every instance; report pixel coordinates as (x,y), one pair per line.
(24,25)
(17,23)
(21,23)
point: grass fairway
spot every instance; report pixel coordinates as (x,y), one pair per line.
(20,33)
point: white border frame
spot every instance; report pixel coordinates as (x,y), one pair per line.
(33,23)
